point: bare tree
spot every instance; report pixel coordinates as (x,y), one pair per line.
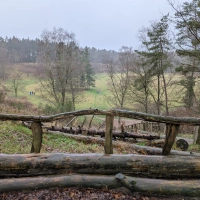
(59,54)
(16,79)
(119,77)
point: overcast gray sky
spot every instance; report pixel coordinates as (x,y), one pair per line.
(103,24)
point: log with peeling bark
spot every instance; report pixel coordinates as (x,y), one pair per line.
(139,149)
(187,188)
(173,167)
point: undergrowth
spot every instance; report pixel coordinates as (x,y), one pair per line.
(14,138)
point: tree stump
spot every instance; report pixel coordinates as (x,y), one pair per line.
(182,144)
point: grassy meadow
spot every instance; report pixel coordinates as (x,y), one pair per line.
(93,98)
(88,99)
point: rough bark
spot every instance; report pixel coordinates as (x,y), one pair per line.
(36,128)
(188,188)
(197,135)
(171,133)
(134,165)
(108,134)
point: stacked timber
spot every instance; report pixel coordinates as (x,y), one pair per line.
(157,175)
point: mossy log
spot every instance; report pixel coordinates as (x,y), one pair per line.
(135,165)
(188,188)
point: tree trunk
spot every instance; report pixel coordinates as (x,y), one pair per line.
(187,188)
(197,135)
(134,165)
(171,133)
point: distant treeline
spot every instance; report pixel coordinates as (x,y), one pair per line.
(27,50)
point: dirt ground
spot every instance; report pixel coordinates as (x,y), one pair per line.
(81,194)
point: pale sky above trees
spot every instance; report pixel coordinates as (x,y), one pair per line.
(103,24)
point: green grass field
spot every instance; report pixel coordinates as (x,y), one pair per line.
(94,98)
(88,99)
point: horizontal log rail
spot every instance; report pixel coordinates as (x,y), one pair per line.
(189,188)
(168,167)
(172,124)
(191,121)
(51,118)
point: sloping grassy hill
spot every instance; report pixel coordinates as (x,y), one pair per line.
(94,98)
(15,138)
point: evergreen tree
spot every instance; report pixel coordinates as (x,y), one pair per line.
(88,75)
(188,41)
(157,45)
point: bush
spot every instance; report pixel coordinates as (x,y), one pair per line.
(2,96)
(18,106)
(49,109)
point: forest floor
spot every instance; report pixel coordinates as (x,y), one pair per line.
(82,194)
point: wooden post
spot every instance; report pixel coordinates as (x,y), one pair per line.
(196,135)
(36,128)
(131,128)
(135,128)
(90,122)
(151,127)
(170,136)
(144,126)
(108,134)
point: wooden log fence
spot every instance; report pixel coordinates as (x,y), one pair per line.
(138,173)
(172,123)
(143,174)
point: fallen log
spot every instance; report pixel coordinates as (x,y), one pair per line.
(93,132)
(139,149)
(135,165)
(157,143)
(131,135)
(189,188)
